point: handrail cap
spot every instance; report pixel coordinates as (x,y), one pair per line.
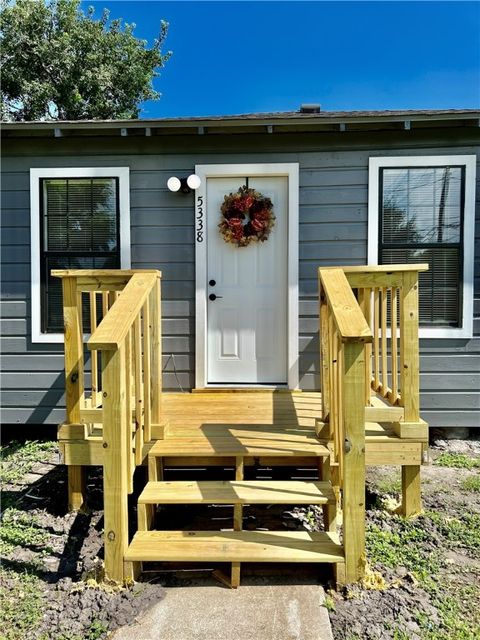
(100,273)
(383,268)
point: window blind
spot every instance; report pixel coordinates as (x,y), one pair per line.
(80,222)
(421,221)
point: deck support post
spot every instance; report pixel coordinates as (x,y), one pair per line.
(354,461)
(76,487)
(74,380)
(411,491)
(115,481)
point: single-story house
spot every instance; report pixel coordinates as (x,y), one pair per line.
(347,188)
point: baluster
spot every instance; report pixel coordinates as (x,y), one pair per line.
(128,409)
(376,345)
(147,409)
(104,303)
(365,301)
(324,355)
(137,345)
(384,343)
(333,381)
(340,404)
(156,353)
(93,354)
(394,343)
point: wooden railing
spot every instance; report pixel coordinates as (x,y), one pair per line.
(369,373)
(344,333)
(124,404)
(388,297)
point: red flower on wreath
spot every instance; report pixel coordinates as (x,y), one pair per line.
(247,216)
(258,224)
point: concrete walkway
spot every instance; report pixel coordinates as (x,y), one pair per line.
(261,609)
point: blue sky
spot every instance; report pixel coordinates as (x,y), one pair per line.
(239,57)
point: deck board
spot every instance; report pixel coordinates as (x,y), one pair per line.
(238,492)
(239,546)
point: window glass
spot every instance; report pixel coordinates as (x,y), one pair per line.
(80,231)
(421,221)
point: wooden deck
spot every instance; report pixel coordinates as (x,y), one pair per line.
(222,424)
(368,414)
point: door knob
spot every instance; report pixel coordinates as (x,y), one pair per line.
(212,283)
(213,297)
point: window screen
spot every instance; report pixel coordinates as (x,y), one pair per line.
(422,221)
(80,230)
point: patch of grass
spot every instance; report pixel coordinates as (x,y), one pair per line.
(458,532)
(22,604)
(20,529)
(18,458)
(329,603)
(390,485)
(471,484)
(401,545)
(457,461)
(459,618)
(96,631)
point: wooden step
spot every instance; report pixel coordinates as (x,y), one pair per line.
(242,440)
(238,492)
(235,546)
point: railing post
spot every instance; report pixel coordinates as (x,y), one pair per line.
(354,461)
(409,347)
(74,381)
(410,384)
(115,481)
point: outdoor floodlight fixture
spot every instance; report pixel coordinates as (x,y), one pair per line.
(184,185)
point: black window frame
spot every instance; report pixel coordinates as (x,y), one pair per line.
(45,254)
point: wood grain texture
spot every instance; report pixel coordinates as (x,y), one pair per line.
(349,320)
(114,327)
(409,348)
(235,546)
(411,491)
(354,462)
(115,477)
(237,492)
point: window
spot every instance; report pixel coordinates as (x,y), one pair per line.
(80,220)
(421,209)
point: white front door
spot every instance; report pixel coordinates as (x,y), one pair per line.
(247,341)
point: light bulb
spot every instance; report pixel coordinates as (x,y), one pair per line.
(193,181)
(174,183)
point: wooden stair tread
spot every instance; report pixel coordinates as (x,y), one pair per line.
(238,492)
(235,546)
(247,440)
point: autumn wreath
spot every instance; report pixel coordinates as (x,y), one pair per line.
(247,216)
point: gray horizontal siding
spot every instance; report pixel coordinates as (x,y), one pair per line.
(333,230)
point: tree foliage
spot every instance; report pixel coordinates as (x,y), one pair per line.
(58,63)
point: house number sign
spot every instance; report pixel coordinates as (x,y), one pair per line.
(199,221)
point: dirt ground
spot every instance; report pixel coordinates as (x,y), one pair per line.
(423,580)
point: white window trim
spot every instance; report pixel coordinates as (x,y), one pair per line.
(205,171)
(123,175)
(469,162)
